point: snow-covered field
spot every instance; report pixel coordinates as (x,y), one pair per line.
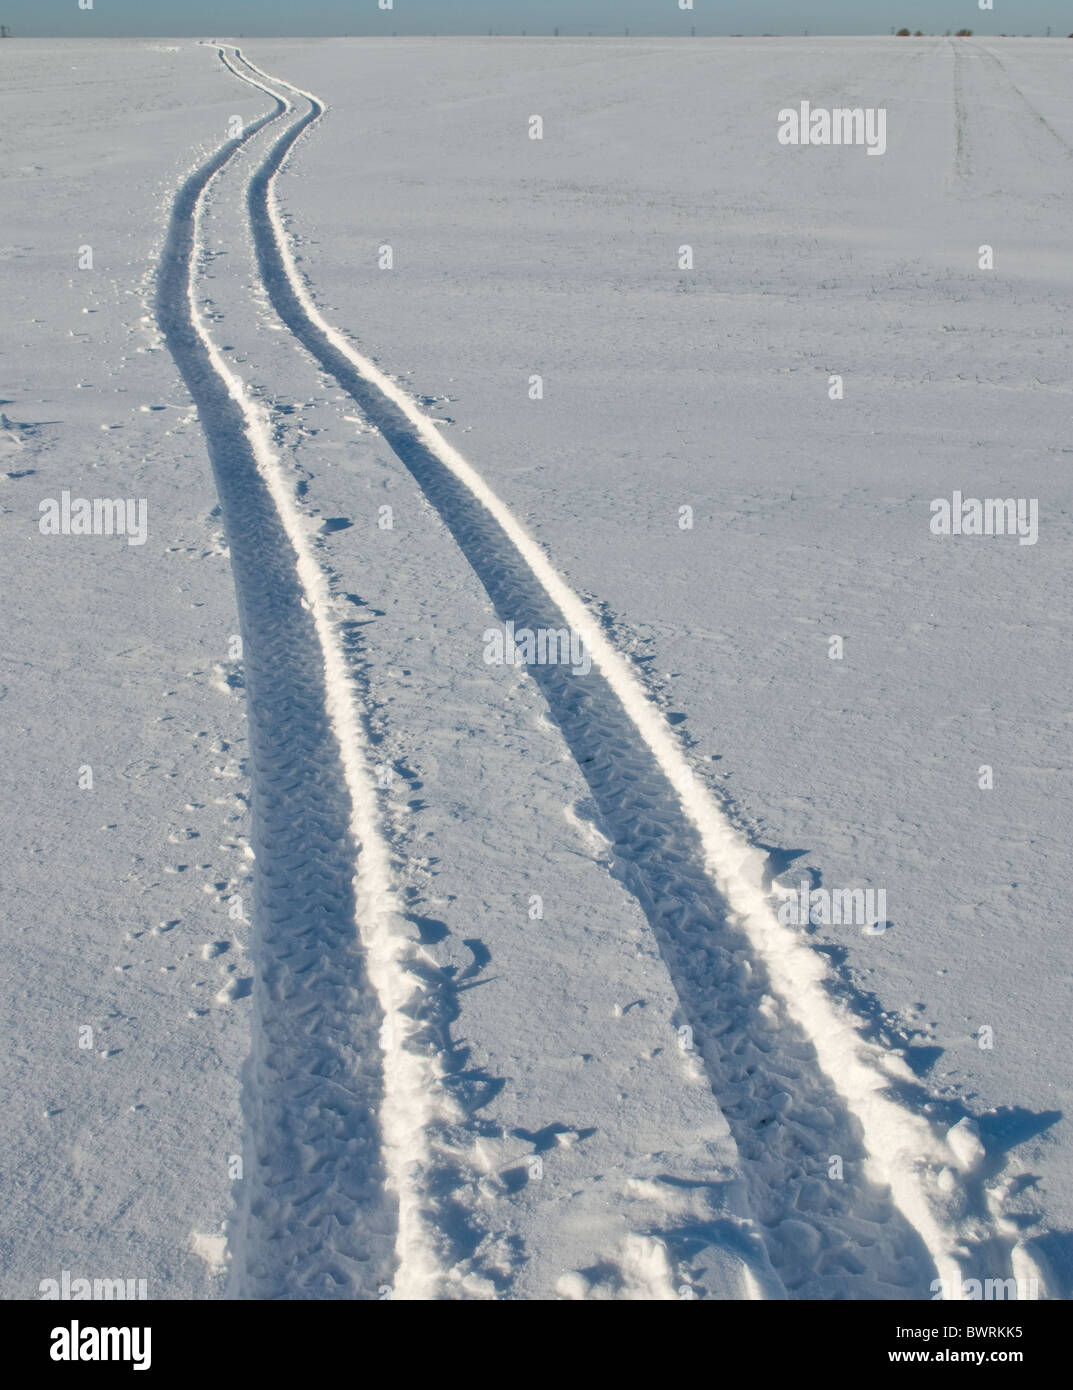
(341,962)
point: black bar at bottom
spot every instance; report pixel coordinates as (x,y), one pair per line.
(169,1338)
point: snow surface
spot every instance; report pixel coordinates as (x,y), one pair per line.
(434,1092)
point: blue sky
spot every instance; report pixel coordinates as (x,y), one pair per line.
(266,17)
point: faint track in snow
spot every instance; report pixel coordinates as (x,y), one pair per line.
(985,68)
(1037,115)
(335,1100)
(961,158)
(801,1066)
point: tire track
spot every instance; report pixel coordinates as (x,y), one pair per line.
(1023,119)
(1037,115)
(780,1048)
(335,1099)
(962,168)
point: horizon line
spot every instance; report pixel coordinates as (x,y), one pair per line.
(473,34)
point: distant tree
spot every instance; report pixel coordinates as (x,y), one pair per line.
(919,34)
(902,34)
(963,34)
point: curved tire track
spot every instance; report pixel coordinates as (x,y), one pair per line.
(335,1100)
